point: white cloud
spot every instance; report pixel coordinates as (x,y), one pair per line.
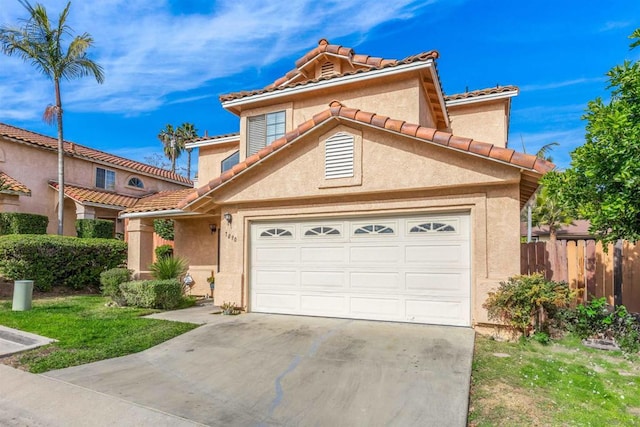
(561,84)
(614,25)
(149,54)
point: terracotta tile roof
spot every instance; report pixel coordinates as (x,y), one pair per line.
(77,150)
(338,111)
(213,138)
(13,185)
(89,195)
(481,92)
(365,62)
(164,200)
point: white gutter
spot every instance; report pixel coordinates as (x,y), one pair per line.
(323,84)
(482,98)
(167,212)
(212,141)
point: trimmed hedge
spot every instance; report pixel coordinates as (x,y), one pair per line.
(95,228)
(23,223)
(52,260)
(110,281)
(164,294)
(164,228)
(164,251)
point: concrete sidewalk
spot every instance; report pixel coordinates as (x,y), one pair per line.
(35,400)
(15,341)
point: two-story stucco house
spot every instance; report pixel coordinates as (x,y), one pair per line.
(355,188)
(98,185)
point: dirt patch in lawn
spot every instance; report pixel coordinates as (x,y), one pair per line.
(6,291)
(506,405)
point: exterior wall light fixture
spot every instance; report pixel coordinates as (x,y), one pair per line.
(227,217)
(213,228)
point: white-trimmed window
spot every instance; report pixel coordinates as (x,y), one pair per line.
(338,156)
(322,231)
(374,229)
(106,179)
(230,161)
(262,130)
(433,227)
(135,182)
(276,232)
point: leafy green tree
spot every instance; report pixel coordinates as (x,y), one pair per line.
(550,212)
(42,43)
(603,182)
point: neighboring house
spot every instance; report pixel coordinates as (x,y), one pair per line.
(578,230)
(354,189)
(98,185)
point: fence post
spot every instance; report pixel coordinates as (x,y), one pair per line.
(617,273)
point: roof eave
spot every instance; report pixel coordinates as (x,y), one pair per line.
(213,141)
(482,98)
(236,104)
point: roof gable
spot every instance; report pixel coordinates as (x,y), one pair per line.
(532,165)
(13,186)
(76,150)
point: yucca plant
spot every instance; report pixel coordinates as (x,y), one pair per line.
(168,268)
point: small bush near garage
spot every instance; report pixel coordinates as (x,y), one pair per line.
(164,228)
(163,251)
(95,229)
(110,281)
(168,268)
(163,294)
(59,260)
(23,223)
(528,302)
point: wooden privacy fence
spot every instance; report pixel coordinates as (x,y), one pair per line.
(585,266)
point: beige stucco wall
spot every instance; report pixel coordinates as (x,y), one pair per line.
(398,176)
(483,121)
(210,160)
(34,167)
(195,242)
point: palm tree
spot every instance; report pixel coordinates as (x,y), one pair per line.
(187,132)
(41,44)
(172,149)
(549,212)
(543,152)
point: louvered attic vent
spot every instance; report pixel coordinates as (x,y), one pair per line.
(338,159)
(327,69)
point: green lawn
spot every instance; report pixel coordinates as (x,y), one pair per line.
(86,331)
(562,384)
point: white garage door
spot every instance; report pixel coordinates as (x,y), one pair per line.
(408,269)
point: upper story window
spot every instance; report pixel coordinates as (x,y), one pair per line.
(230,161)
(338,156)
(105,179)
(135,182)
(262,130)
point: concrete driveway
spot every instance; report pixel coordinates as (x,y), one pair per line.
(267,370)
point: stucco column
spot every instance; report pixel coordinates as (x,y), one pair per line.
(9,203)
(140,252)
(85,212)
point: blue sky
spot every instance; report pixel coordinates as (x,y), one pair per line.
(166,61)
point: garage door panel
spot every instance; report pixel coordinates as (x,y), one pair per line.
(452,312)
(376,254)
(324,305)
(388,308)
(364,281)
(438,254)
(270,278)
(280,255)
(323,279)
(448,282)
(277,302)
(323,254)
(364,268)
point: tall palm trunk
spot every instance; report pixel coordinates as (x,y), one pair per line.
(56,83)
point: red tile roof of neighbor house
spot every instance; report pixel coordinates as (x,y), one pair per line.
(366,62)
(12,185)
(182,198)
(481,92)
(89,195)
(161,201)
(80,151)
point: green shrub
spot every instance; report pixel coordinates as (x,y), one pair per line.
(52,260)
(597,319)
(527,302)
(164,294)
(95,229)
(163,251)
(168,268)
(164,228)
(110,281)
(23,223)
